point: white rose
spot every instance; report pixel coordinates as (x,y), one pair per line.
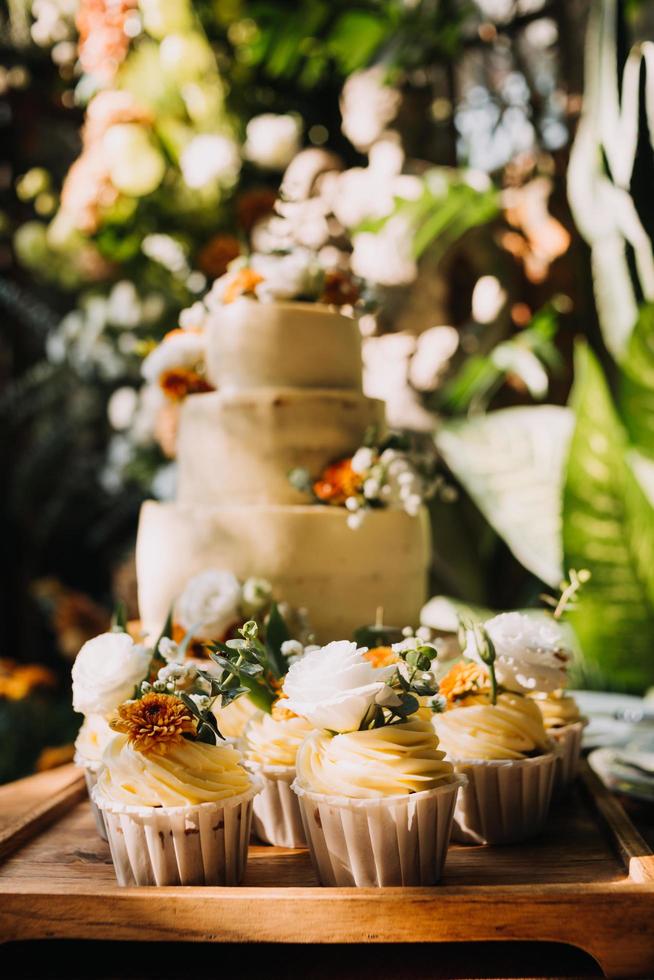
(272,141)
(185,349)
(210,604)
(334,686)
(106,671)
(532,654)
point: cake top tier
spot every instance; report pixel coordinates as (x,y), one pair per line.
(296,345)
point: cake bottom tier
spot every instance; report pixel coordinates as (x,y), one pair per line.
(308,553)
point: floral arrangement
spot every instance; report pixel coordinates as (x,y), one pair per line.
(338,689)
(391,472)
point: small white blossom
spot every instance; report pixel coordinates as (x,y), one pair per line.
(363,459)
(194,317)
(271,141)
(169,650)
(210,159)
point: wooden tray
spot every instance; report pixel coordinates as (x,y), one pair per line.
(588,882)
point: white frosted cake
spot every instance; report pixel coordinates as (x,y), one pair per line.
(289,395)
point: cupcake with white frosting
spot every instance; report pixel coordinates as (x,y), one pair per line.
(564,724)
(177,809)
(271,743)
(376,794)
(92,739)
(494,733)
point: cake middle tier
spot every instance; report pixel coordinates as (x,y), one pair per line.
(239,446)
(308,554)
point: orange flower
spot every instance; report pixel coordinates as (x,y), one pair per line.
(464,679)
(180,382)
(381,656)
(154,721)
(215,256)
(338,482)
(244,282)
(19,680)
(338,289)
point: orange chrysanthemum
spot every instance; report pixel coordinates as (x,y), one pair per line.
(155,720)
(177,383)
(244,282)
(337,483)
(464,679)
(381,656)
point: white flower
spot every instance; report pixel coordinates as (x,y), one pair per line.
(272,141)
(292,650)
(193,317)
(178,350)
(386,258)
(363,459)
(210,159)
(169,650)
(106,671)
(210,604)
(121,408)
(167,251)
(334,686)
(368,104)
(532,654)
(257,593)
(287,276)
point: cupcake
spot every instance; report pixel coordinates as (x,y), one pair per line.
(375,793)
(233,720)
(177,810)
(564,724)
(270,744)
(491,732)
(91,741)
(106,671)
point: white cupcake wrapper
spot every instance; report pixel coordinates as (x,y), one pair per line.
(276,816)
(396,840)
(568,739)
(199,844)
(505,801)
(91,770)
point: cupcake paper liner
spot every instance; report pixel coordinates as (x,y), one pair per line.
(199,844)
(91,770)
(393,840)
(568,739)
(505,801)
(276,816)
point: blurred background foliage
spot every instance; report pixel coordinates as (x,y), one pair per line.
(492,163)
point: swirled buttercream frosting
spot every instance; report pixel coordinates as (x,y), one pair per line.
(177,774)
(92,739)
(389,761)
(557,710)
(232,720)
(476,729)
(274,742)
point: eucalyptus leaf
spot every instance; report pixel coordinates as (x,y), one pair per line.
(511,464)
(608,528)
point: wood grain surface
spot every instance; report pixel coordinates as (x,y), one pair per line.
(586,882)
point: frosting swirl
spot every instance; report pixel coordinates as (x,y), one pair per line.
(232,720)
(390,761)
(557,709)
(92,739)
(275,742)
(476,729)
(183,773)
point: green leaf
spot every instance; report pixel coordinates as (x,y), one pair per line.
(636,388)
(119,617)
(276,634)
(511,464)
(608,527)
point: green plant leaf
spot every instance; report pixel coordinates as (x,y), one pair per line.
(511,464)
(636,390)
(608,527)
(276,634)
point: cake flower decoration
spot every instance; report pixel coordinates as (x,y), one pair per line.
(530,654)
(106,671)
(154,721)
(177,364)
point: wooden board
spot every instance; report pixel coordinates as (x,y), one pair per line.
(588,881)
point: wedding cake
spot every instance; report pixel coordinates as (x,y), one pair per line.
(288,394)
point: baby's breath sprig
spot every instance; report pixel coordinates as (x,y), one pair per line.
(569,589)
(474,637)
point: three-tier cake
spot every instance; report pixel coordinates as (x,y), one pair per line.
(288,380)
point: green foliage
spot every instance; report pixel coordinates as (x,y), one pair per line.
(511,464)
(636,391)
(608,528)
